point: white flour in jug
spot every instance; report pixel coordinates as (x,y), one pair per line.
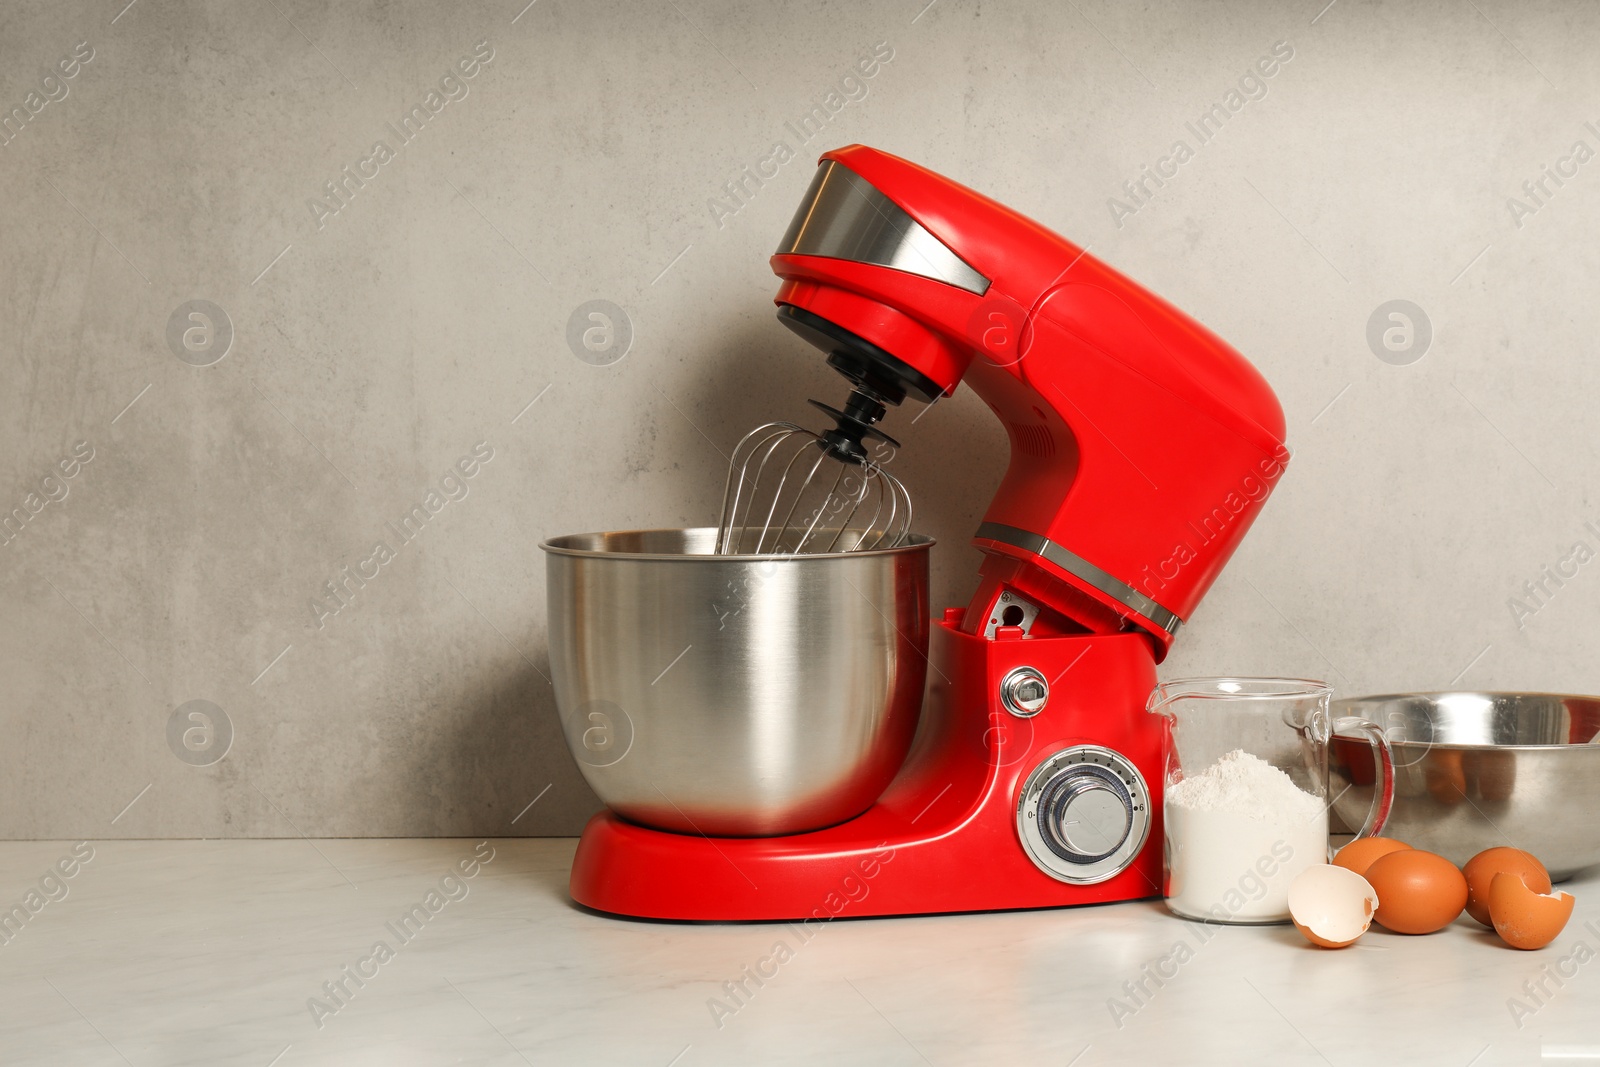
(1237,834)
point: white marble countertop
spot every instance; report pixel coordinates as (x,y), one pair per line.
(210,952)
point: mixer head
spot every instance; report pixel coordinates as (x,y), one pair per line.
(791,490)
(1142,445)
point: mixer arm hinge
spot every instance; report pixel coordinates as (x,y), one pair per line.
(1010,609)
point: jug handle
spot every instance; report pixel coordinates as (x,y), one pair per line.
(1383,796)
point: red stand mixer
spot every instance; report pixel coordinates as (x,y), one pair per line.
(1142,448)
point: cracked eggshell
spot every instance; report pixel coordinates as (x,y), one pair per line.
(1332,906)
(1523,918)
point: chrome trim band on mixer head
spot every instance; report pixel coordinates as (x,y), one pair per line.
(1080,568)
(843,217)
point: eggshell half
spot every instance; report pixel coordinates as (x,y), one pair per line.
(1331,906)
(1523,918)
(1481,869)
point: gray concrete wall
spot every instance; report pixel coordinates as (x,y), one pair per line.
(346,361)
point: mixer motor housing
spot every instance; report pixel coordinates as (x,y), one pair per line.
(1142,445)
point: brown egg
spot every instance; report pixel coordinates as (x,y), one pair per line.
(1523,918)
(1481,869)
(1357,856)
(1418,892)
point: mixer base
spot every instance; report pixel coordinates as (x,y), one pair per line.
(943,838)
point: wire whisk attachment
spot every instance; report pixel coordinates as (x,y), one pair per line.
(790,492)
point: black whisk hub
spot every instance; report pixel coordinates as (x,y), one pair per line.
(852,426)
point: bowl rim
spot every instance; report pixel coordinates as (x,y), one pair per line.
(1433,697)
(553,546)
(1432,693)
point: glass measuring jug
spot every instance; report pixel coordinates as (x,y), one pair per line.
(1245,791)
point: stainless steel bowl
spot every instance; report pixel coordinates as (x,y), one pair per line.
(743,695)
(1475,770)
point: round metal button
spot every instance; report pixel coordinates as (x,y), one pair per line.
(1024,692)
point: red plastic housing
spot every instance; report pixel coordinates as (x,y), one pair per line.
(1141,443)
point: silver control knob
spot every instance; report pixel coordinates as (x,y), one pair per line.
(1083,814)
(1024,692)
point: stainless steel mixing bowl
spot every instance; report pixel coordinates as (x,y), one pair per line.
(736,695)
(1475,770)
